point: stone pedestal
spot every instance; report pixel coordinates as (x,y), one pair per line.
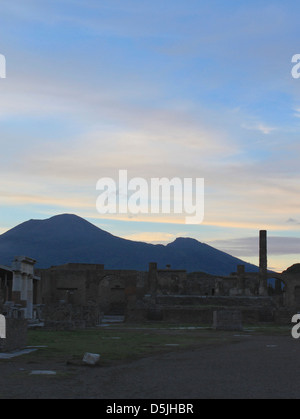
(227,320)
(16,335)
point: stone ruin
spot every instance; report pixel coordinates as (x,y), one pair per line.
(200,296)
(14,326)
(19,285)
(227,320)
(16,335)
(79,295)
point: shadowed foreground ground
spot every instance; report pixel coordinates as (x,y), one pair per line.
(251,367)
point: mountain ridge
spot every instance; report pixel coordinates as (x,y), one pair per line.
(68,238)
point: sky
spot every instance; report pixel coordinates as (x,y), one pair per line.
(162,89)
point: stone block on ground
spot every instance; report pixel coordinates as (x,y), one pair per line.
(91,359)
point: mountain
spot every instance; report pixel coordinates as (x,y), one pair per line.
(68,238)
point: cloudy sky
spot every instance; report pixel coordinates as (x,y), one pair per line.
(160,88)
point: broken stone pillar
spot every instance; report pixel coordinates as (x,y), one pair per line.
(152,278)
(240,279)
(241,270)
(153,308)
(263,270)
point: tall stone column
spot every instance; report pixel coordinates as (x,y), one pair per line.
(263,263)
(22,289)
(29,310)
(17,287)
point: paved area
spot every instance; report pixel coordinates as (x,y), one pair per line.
(253,367)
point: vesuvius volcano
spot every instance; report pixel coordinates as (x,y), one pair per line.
(68,238)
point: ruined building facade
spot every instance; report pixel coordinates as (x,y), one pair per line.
(78,295)
(19,288)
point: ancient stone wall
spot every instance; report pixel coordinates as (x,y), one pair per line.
(16,335)
(62,316)
(171,282)
(199,309)
(227,320)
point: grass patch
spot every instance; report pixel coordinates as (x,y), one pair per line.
(129,342)
(116,345)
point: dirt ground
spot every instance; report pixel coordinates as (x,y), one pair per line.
(252,367)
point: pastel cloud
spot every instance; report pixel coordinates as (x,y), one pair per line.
(152,237)
(161,89)
(249,246)
(260,127)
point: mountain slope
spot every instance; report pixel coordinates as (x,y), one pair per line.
(70,239)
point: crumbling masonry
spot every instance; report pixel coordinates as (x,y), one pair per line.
(78,295)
